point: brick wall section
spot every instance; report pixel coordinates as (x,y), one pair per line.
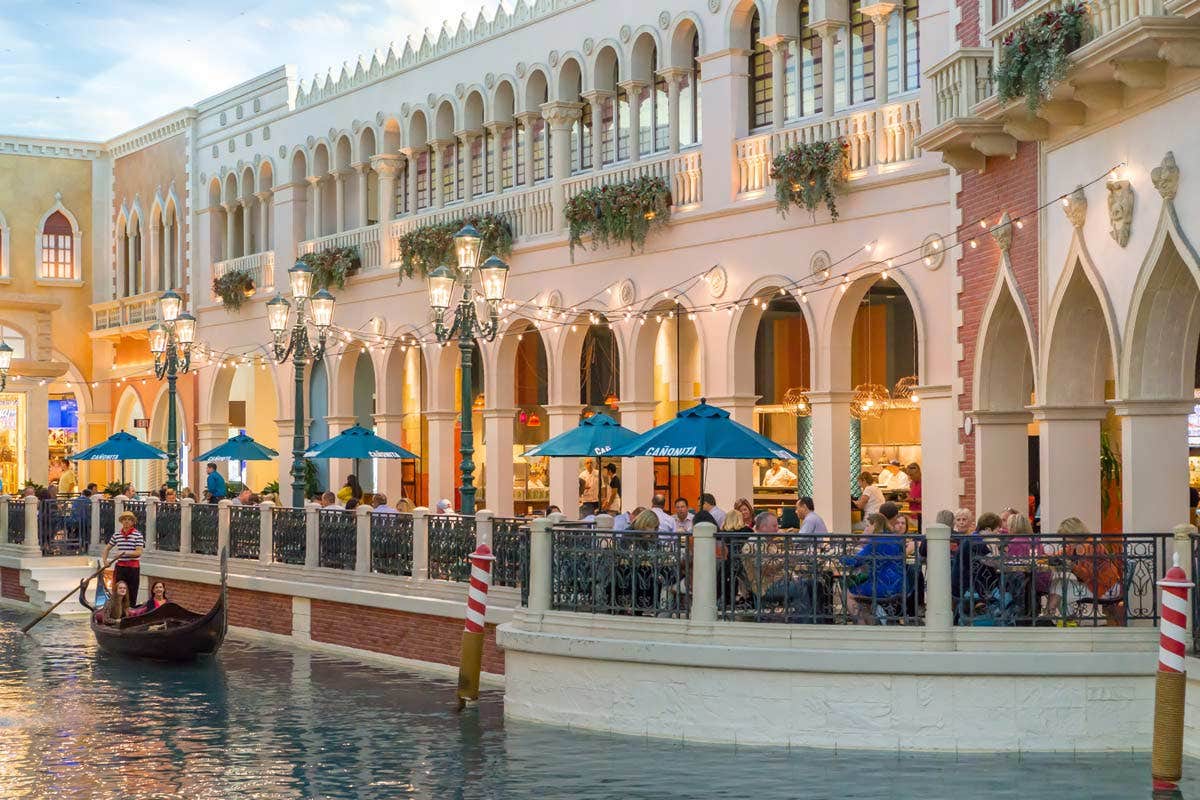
(398,633)
(259,610)
(1006,185)
(10,585)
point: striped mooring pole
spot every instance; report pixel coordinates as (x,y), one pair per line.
(470,662)
(1166,759)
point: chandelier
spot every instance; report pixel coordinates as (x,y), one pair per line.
(904,393)
(796,402)
(869,401)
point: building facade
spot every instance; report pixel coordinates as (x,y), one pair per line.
(952,316)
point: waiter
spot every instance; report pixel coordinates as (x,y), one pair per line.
(128,543)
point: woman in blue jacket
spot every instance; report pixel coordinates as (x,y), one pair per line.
(878,568)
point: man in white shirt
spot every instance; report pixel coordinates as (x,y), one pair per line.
(589,489)
(683,517)
(810,523)
(329,501)
(666,522)
(779,475)
(893,478)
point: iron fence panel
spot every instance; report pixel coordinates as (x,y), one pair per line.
(391,543)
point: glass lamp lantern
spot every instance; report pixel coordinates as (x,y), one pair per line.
(169,306)
(277,313)
(185,329)
(493,276)
(322,309)
(300,278)
(158,339)
(6,357)
(467,244)
(441,286)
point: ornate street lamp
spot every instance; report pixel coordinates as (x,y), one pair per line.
(6,354)
(171,343)
(493,276)
(300,348)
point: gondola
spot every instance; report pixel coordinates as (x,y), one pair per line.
(170,632)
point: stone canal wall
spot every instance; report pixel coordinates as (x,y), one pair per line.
(418,621)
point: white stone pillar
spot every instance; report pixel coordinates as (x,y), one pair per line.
(704,573)
(496,163)
(314,183)
(540,566)
(247,203)
(391,472)
(564,472)
(185,523)
(498,468)
(724,120)
(339,199)
(831,457)
(339,468)
(387,167)
(264,219)
(527,119)
(361,168)
(637,474)
(778,45)
(939,619)
(437,146)
(411,154)
(266,537)
(829,33)
(939,450)
(151,533)
(596,100)
(96,536)
(155,259)
(443,454)
(420,563)
(32,546)
(1001,460)
(466,140)
(312,536)
(1069,439)
(230,239)
(633,90)
(1154,464)
(560,117)
(362,542)
(223,507)
(674,77)
(879,14)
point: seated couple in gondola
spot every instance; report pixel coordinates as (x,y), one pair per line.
(117,608)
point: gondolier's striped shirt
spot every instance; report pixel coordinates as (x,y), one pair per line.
(125,546)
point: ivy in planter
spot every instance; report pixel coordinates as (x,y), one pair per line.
(619,212)
(234,288)
(809,173)
(425,248)
(333,266)
(1034,57)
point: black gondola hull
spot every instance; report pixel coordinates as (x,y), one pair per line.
(170,633)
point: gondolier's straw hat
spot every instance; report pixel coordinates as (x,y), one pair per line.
(127,515)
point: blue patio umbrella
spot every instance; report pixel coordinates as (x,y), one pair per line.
(598,435)
(122,447)
(358,443)
(239,448)
(704,432)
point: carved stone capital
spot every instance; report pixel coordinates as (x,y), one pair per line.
(1165,177)
(1075,207)
(386,165)
(560,114)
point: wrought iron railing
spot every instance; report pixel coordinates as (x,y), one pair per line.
(338,539)
(138,509)
(62,526)
(289,535)
(244,531)
(830,579)
(167,527)
(108,519)
(16,521)
(204,529)
(391,543)
(1058,580)
(619,572)
(451,540)
(510,546)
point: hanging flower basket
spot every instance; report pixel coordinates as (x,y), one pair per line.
(810,173)
(1034,57)
(332,267)
(234,288)
(619,212)
(425,248)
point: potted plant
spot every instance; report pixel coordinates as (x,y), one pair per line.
(618,212)
(810,173)
(234,288)
(331,267)
(1034,57)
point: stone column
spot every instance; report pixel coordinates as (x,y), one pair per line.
(1154,464)
(527,119)
(223,507)
(831,457)
(264,222)
(287,228)
(443,454)
(155,260)
(247,203)
(387,167)
(32,546)
(939,450)
(1001,460)
(312,535)
(829,31)
(674,77)
(210,434)
(496,163)
(633,92)
(185,523)
(724,120)
(314,182)
(230,238)
(560,117)
(362,543)
(637,474)
(37,418)
(466,139)
(437,146)
(339,199)
(150,535)
(411,154)
(778,45)
(727,478)
(939,619)
(879,14)
(420,563)
(540,566)
(704,573)
(266,531)
(391,473)
(498,468)
(361,168)
(1069,438)
(596,100)
(564,472)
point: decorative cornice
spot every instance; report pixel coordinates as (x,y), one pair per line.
(50,148)
(155,131)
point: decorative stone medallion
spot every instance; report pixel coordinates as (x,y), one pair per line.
(405,109)
(459,90)
(820,263)
(552,59)
(588,45)
(520,69)
(489,80)
(311,142)
(933,251)
(717,280)
(626,32)
(714,5)
(664,19)
(282,151)
(430,99)
(266,133)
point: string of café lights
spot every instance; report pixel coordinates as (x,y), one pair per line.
(545,317)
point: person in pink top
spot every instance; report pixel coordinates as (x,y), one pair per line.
(158,598)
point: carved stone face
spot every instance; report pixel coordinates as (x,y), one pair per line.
(1120,211)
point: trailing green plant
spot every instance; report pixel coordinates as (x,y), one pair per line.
(810,173)
(331,267)
(271,488)
(619,212)
(1034,57)
(234,288)
(1110,472)
(113,488)
(427,247)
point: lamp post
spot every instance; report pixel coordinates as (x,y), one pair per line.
(6,354)
(493,276)
(317,308)
(171,343)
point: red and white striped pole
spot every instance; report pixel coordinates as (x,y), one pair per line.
(470,663)
(1166,759)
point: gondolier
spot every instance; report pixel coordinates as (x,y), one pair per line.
(128,544)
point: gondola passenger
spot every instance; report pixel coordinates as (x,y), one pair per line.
(115,609)
(158,599)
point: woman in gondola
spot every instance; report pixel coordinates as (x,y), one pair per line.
(158,598)
(115,609)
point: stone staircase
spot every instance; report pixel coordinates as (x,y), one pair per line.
(46,580)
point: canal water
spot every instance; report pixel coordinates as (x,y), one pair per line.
(264,722)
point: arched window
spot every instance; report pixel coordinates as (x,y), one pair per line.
(904,62)
(689,99)
(133,262)
(761,112)
(581,139)
(13,339)
(58,248)
(662,115)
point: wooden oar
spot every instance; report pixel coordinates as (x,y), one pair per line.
(46,613)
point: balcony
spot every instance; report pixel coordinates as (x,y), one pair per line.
(364,240)
(125,316)
(681,171)
(260,266)
(877,137)
(1131,51)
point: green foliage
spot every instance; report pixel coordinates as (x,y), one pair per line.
(1034,57)
(619,212)
(333,266)
(234,288)
(113,488)
(271,488)
(425,248)
(312,486)
(810,173)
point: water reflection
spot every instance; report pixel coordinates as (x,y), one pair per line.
(268,722)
